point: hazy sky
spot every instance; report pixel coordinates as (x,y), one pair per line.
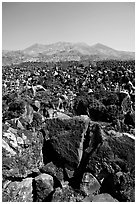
(112,24)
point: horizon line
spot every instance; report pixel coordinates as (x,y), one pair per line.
(10,50)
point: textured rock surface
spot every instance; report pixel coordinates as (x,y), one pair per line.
(18,191)
(21,151)
(114,155)
(43,187)
(28,113)
(69,160)
(93,140)
(66,138)
(73,122)
(53,170)
(104,198)
(90,184)
(66,194)
(119,185)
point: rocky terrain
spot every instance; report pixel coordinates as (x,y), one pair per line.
(68,132)
(63,51)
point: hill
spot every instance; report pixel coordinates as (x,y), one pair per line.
(64,51)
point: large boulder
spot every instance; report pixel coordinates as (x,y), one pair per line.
(120,185)
(92,141)
(21,151)
(89,105)
(115,154)
(18,191)
(65,144)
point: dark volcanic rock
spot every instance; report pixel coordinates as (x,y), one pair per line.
(130,119)
(119,185)
(114,155)
(53,170)
(93,139)
(43,187)
(65,145)
(115,150)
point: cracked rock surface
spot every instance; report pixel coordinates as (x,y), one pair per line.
(40,166)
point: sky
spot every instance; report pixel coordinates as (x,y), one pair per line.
(109,23)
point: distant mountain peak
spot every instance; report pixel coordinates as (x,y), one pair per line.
(81,43)
(100,45)
(65,51)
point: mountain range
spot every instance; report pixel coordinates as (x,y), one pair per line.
(64,51)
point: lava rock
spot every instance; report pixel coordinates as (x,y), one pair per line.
(90,184)
(66,194)
(28,113)
(66,139)
(93,140)
(69,173)
(114,155)
(18,191)
(22,153)
(43,187)
(104,198)
(53,170)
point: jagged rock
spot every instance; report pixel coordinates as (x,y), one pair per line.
(69,172)
(88,198)
(114,155)
(114,150)
(119,185)
(61,115)
(53,170)
(63,195)
(20,125)
(88,104)
(22,153)
(90,184)
(104,198)
(93,140)
(66,194)
(18,191)
(43,187)
(28,113)
(65,145)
